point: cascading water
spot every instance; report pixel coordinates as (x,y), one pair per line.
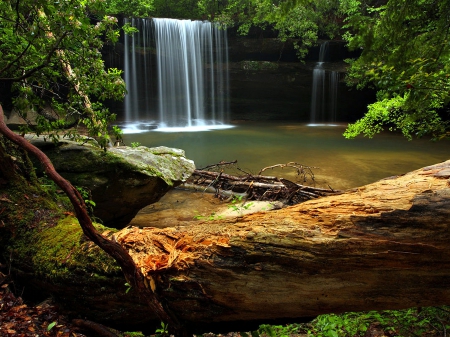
(185,83)
(323,97)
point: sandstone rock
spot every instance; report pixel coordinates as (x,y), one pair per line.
(122,180)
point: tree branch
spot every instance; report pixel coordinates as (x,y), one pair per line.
(42,65)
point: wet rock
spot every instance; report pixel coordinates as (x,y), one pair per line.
(122,180)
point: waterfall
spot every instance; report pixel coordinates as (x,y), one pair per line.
(323,97)
(137,60)
(176,72)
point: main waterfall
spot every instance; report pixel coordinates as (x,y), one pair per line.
(189,60)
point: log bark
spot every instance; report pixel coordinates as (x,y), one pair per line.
(380,246)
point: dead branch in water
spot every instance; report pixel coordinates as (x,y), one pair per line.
(258,187)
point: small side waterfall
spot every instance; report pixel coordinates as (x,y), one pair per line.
(185,82)
(324,97)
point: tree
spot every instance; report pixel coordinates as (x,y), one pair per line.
(50,60)
(405,57)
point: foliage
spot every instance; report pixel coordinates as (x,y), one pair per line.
(238,206)
(431,321)
(130,8)
(405,57)
(51,65)
(303,21)
(135,144)
(87,197)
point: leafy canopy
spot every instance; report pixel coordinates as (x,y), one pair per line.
(50,63)
(406,58)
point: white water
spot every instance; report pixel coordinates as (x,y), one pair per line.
(324,97)
(185,84)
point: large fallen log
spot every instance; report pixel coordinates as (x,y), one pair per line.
(380,246)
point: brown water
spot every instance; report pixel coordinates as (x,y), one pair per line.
(340,163)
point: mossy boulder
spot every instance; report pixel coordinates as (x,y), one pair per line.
(123,179)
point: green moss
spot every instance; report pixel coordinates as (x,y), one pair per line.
(259,65)
(35,232)
(63,251)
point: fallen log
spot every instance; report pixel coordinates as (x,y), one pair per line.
(380,246)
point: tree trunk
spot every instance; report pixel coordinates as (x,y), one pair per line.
(380,246)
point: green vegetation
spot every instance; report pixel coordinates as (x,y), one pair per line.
(405,57)
(429,321)
(414,322)
(237,205)
(211,217)
(51,65)
(135,144)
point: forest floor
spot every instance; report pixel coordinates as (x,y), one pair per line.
(18,319)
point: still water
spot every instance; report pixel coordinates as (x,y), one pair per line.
(339,163)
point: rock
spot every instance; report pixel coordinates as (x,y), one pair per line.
(15,120)
(121,180)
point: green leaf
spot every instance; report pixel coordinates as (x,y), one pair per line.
(51,325)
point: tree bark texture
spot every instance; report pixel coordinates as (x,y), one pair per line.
(380,246)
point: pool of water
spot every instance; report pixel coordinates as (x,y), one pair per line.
(339,163)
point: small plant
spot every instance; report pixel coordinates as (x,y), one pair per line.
(86,195)
(128,287)
(51,326)
(48,185)
(163,330)
(133,334)
(135,144)
(118,135)
(211,217)
(238,206)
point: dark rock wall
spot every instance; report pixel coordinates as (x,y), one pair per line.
(267,82)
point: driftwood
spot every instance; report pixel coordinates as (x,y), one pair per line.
(257,187)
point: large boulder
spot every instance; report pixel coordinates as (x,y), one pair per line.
(121,180)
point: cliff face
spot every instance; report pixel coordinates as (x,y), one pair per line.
(267,82)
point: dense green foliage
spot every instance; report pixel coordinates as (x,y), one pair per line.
(406,58)
(429,321)
(50,63)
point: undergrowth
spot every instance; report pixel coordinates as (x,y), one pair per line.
(414,322)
